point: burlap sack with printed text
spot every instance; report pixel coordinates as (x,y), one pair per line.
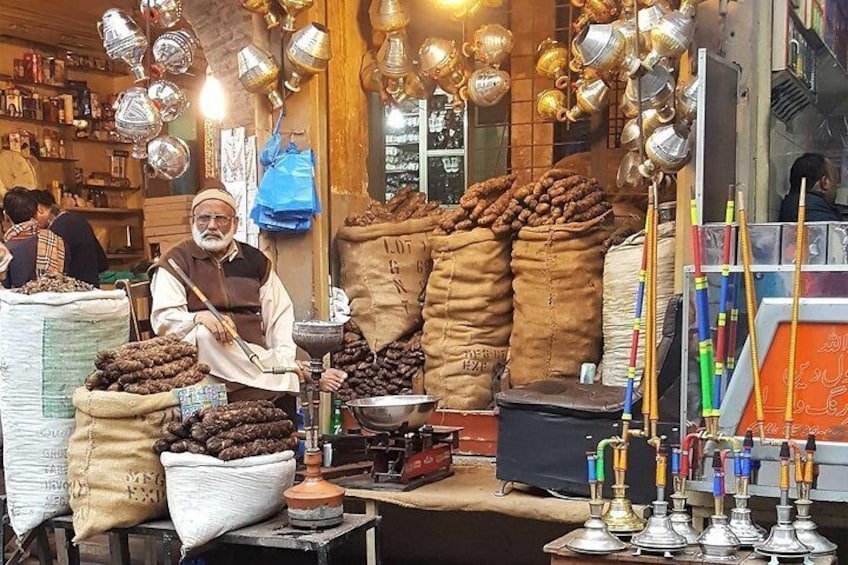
(467,317)
(114,476)
(384,268)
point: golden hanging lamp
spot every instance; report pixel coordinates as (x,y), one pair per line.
(263,8)
(292,9)
(552,61)
(259,74)
(551,104)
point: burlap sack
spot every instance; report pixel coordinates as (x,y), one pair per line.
(558,285)
(114,476)
(384,268)
(621,277)
(467,317)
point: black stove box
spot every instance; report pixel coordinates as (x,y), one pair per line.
(542,428)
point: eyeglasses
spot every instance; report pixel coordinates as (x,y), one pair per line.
(222,221)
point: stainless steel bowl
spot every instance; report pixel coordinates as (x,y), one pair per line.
(393,413)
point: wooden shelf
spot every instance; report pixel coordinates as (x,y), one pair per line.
(56,160)
(102,141)
(5,118)
(107,187)
(43,85)
(107,211)
(95,71)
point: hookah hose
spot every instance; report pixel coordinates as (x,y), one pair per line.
(647,382)
(721,334)
(796,307)
(627,415)
(730,360)
(705,349)
(751,305)
(652,323)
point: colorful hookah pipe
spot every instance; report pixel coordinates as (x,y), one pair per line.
(718,481)
(705,349)
(809,461)
(747,446)
(721,334)
(592,475)
(627,414)
(733,305)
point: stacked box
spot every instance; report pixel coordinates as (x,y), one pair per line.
(167,220)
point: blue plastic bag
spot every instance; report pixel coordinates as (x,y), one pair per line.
(272,146)
(289,184)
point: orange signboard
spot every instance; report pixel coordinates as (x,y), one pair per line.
(821,376)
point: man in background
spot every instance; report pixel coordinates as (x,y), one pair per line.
(821,190)
(86,256)
(35,251)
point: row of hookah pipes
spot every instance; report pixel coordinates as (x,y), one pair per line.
(716,365)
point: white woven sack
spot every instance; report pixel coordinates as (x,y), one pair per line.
(208,497)
(48,343)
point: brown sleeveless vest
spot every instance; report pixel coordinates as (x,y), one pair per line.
(232,286)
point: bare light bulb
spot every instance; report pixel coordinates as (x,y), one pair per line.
(213,101)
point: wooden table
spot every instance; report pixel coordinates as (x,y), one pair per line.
(560,555)
(275,533)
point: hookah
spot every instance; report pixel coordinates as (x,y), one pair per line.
(717,541)
(741,523)
(783,542)
(659,535)
(594,538)
(681,521)
(805,528)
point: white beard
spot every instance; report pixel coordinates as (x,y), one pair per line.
(212,244)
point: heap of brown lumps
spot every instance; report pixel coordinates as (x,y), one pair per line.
(386,372)
(54,282)
(559,197)
(235,431)
(407,204)
(155,365)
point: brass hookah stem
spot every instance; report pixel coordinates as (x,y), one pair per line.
(796,307)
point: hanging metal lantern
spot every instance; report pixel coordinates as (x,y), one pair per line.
(123,40)
(552,104)
(552,62)
(162,13)
(309,53)
(592,96)
(389,15)
(657,89)
(687,99)
(169,98)
(441,61)
(667,150)
(137,118)
(671,36)
(259,74)
(263,8)
(595,12)
(486,86)
(292,9)
(168,157)
(173,51)
(393,58)
(491,45)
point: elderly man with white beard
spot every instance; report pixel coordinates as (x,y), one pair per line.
(241,283)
